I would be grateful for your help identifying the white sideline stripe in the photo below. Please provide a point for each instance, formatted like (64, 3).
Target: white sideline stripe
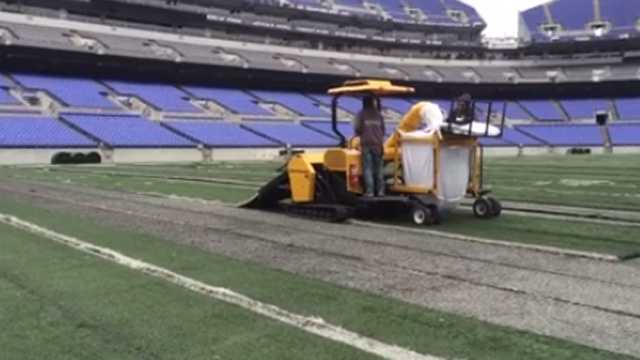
(539, 248)
(312, 325)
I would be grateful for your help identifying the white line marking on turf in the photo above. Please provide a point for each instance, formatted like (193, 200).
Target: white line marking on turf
(539, 248)
(312, 325)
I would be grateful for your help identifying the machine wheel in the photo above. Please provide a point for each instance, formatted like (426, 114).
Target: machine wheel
(496, 206)
(482, 208)
(424, 215)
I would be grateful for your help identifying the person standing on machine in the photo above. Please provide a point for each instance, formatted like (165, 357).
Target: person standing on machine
(369, 126)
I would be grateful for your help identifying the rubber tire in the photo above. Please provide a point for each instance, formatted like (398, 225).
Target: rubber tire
(482, 208)
(93, 158)
(78, 158)
(423, 215)
(496, 206)
(61, 158)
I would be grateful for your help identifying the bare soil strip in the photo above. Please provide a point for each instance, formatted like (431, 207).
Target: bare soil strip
(312, 325)
(540, 248)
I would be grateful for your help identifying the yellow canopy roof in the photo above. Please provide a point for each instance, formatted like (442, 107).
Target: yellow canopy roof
(376, 87)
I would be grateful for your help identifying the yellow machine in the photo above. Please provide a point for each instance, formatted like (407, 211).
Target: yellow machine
(328, 183)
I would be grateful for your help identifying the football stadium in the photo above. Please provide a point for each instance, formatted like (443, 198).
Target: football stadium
(318, 179)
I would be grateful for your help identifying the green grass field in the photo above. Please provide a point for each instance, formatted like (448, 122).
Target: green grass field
(58, 303)
(596, 181)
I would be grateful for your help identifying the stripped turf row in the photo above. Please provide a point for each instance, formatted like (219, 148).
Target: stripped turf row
(206, 191)
(58, 303)
(622, 241)
(388, 320)
(608, 239)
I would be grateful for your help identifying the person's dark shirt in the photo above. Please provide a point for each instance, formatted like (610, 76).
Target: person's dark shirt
(369, 125)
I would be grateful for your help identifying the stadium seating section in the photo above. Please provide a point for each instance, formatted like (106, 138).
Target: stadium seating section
(220, 134)
(127, 131)
(73, 92)
(287, 133)
(435, 11)
(575, 18)
(234, 100)
(161, 96)
(43, 132)
(6, 98)
(625, 134)
(83, 123)
(565, 135)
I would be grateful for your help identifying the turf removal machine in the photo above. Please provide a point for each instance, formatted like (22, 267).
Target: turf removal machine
(432, 162)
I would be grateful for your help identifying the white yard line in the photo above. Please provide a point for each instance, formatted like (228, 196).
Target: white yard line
(539, 248)
(311, 325)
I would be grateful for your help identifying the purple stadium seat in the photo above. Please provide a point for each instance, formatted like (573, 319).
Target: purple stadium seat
(628, 109)
(572, 14)
(585, 108)
(128, 131)
(575, 15)
(7, 99)
(294, 101)
(161, 96)
(233, 99)
(40, 132)
(515, 112)
(543, 109)
(618, 13)
(495, 142)
(461, 6)
(518, 138)
(393, 6)
(625, 134)
(4, 81)
(401, 106)
(325, 127)
(565, 135)
(73, 92)
(346, 128)
(352, 3)
(347, 103)
(220, 134)
(289, 133)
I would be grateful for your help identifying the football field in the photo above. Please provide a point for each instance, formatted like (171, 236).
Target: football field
(468, 301)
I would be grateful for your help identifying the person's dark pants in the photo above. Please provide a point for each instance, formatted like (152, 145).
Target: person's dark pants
(373, 171)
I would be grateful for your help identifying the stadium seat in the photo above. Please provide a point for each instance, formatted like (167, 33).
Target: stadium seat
(625, 134)
(234, 100)
(401, 106)
(628, 109)
(585, 108)
(73, 92)
(349, 104)
(128, 131)
(40, 132)
(565, 135)
(575, 16)
(572, 14)
(542, 109)
(294, 101)
(7, 99)
(220, 134)
(292, 134)
(161, 96)
(346, 128)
